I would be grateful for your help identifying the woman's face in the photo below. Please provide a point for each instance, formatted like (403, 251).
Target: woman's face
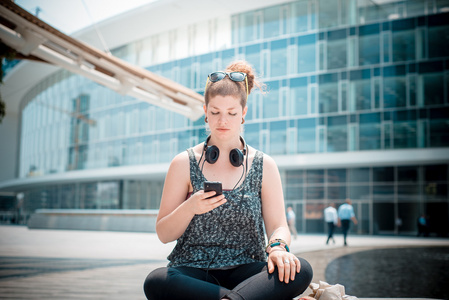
(224, 115)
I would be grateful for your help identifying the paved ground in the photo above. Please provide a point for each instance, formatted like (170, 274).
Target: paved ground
(61, 264)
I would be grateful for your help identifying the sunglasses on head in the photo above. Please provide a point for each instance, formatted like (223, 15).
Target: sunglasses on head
(234, 76)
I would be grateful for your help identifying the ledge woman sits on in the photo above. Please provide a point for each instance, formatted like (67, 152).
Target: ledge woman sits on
(221, 251)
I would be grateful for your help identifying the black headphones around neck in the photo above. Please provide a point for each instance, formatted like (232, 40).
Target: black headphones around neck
(236, 156)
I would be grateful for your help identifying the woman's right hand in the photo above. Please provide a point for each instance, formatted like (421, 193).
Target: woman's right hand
(200, 203)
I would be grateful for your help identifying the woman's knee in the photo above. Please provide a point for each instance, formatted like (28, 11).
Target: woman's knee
(154, 281)
(306, 271)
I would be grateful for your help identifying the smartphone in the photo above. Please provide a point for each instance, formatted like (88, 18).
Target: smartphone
(213, 186)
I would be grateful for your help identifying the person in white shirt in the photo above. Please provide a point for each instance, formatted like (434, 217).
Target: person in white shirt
(331, 218)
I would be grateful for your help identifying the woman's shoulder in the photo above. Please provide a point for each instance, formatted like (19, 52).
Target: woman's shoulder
(183, 158)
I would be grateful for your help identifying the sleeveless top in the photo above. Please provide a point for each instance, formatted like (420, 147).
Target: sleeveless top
(229, 235)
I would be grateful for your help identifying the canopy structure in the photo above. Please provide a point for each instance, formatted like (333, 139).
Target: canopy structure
(34, 39)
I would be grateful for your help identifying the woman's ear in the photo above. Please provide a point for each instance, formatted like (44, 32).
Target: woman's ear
(245, 110)
(205, 109)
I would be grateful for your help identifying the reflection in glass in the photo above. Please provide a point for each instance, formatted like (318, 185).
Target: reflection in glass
(403, 45)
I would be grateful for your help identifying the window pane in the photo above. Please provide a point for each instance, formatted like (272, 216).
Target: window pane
(306, 136)
(328, 97)
(405, 134)
(279, 58)
(306, 54)
(369, 49)
(271, 18)
(295, 177)
(300, 15)
(360, 192)
(433, 86)
(408, 174)
(298, 96)
(359, 175)
(278, 137)
(315, 176)
(336, 54)
(370, 131)
(408, 192)
(336, 192)
(337, 134)
(438, 39)
(403, 45)
(336, 176)
(271, 101)
(435, 173)
(314, 192)
(395, 94)
(383, 193)
(383, 174)
(328, 13)
(360, 95)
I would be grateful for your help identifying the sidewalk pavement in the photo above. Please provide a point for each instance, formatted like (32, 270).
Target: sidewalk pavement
(62, 264)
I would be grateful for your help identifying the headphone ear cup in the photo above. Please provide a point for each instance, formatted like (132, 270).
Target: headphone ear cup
(236, 157)
(212, 154)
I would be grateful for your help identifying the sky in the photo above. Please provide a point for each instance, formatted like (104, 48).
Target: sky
(70, 16)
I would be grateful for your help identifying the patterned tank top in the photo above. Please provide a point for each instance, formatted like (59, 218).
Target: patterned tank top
(229, 235)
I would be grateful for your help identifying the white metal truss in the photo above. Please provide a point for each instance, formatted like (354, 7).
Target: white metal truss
(32, 37)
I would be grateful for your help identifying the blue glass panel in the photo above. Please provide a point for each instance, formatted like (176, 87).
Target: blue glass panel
(271, 100)
(271, 24)
(306, 54)
(369, 29)
(278, 137)
(336, 176)
(315, 176)
(439, 127)
(438, 41)
(404, 45)
(383, 174)
(369, 49)
(395, 94)
(336, 54)
(336, 35)
(252, 55)
(369, 118)
(430, 67)
(328, 97)
(359, 175)
(405, 24)
(337, 134)
(298, 97)
(438, 20)
(306, 135)
(279, 58)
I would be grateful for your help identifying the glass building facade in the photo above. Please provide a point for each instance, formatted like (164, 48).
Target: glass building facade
(343, 76)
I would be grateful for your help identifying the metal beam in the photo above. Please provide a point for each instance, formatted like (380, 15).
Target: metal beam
(29, 35)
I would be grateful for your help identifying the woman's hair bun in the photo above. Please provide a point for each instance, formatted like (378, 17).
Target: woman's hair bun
(245, 67)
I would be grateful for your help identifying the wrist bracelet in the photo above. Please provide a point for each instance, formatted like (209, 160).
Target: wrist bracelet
(277, 242)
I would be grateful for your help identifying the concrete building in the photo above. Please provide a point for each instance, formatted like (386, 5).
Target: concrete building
(357, 107)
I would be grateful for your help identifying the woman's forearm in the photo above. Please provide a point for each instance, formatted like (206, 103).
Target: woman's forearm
(173, 225)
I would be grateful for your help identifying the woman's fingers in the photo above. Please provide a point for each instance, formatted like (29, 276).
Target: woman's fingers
(288, 265)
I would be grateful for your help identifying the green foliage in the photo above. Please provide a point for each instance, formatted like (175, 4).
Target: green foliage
(6, 54)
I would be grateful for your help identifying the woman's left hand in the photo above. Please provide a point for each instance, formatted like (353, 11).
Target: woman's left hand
(288, 264)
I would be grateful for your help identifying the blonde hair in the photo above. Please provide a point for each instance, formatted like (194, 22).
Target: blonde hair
(227, 87)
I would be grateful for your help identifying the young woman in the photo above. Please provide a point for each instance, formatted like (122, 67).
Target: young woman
(221, 250)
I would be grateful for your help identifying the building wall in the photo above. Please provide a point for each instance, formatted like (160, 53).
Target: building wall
(342, 76)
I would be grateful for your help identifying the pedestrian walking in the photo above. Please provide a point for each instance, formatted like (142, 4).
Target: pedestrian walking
(331, 218)
(345, 215)
(291, 220)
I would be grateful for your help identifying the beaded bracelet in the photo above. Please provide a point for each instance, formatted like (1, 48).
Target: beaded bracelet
(277, 242)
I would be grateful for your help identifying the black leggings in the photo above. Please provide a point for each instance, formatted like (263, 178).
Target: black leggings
(246, 282)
